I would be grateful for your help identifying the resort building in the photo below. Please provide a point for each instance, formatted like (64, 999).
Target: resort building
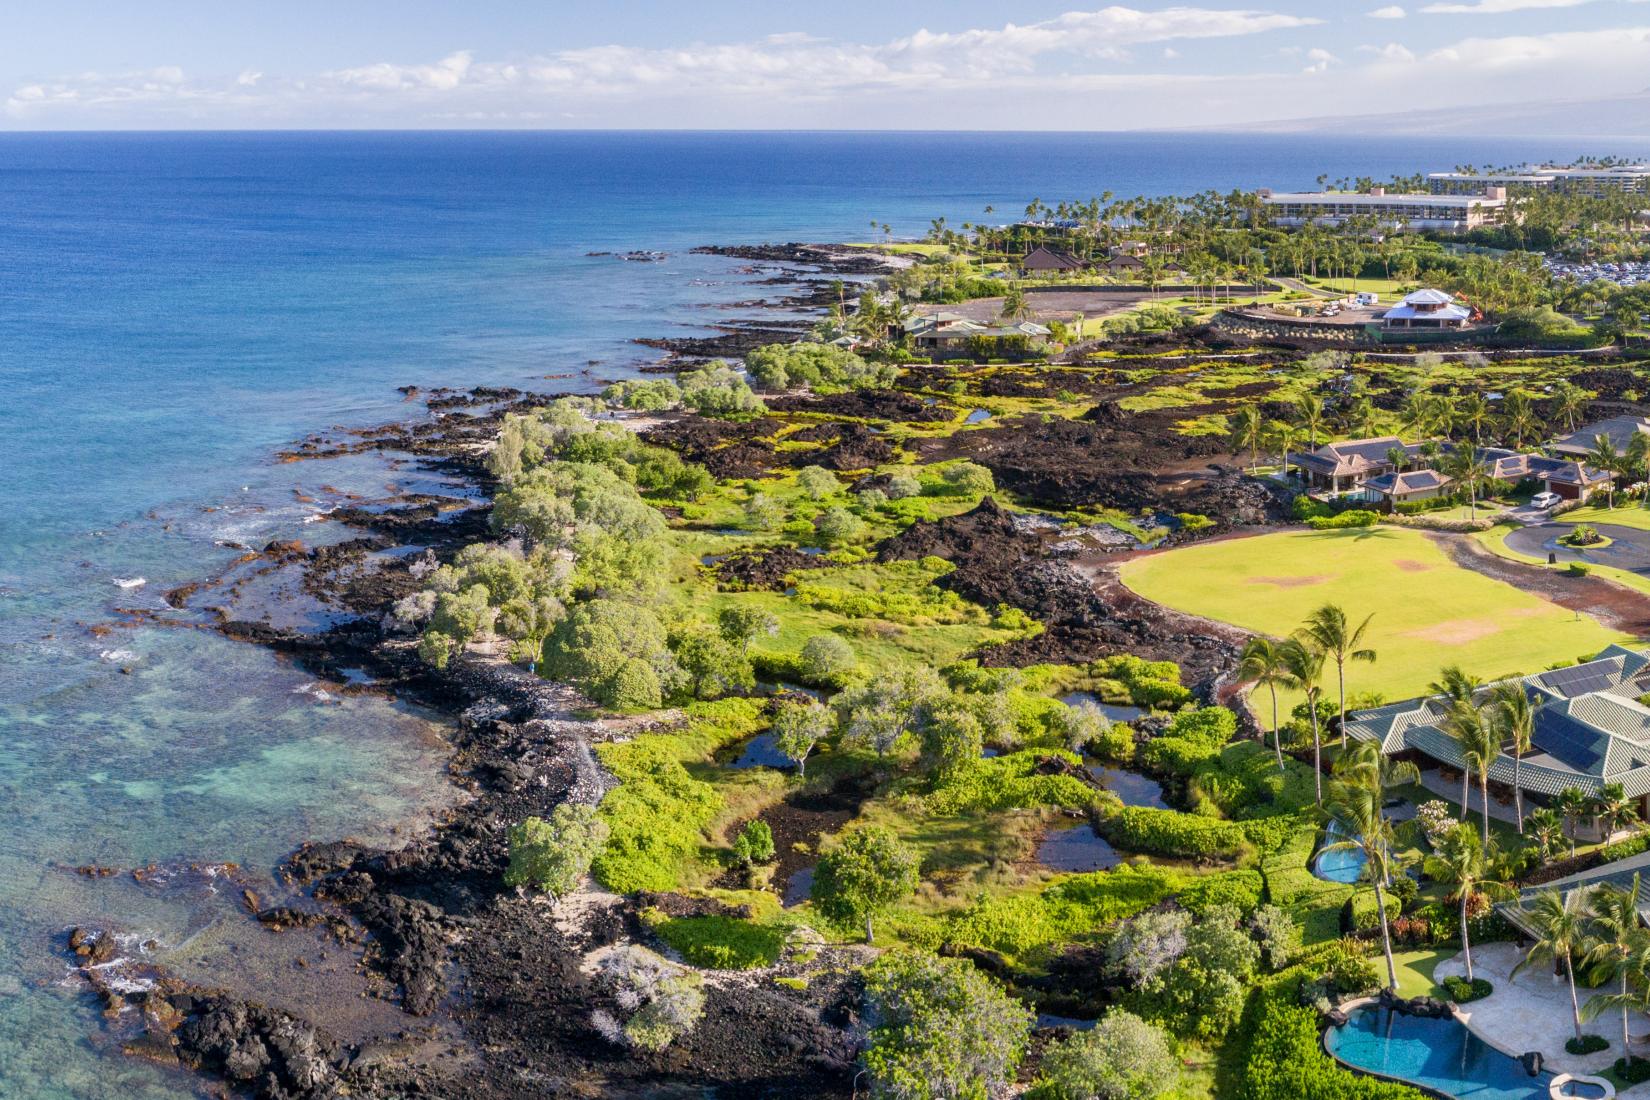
(1619, 430)
(1449, 213)
(1044, 259)
(1348, 466)
(953, 332)
(1427, 309)
(1567, 477)
(1632, 179)
(1590, 730)
(1365, 468)
(1408, 487)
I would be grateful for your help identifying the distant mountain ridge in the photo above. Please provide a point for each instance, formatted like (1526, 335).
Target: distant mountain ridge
(1626, 116)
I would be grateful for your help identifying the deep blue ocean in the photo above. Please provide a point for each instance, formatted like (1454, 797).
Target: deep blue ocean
(174, 308)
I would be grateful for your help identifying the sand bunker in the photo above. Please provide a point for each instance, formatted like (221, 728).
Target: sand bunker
(1291, 582)
(1410, 565)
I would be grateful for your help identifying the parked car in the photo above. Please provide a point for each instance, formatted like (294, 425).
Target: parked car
(1546, 501)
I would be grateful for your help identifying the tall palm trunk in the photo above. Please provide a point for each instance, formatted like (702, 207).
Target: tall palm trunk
(1518, 792)
(1386, 938)
(1317, 755)
(1484, 791)
(1277, 730)
(1626, 1037)
(1575, 1003)
(1466, 945)
(1340, 681)
(1466, 791)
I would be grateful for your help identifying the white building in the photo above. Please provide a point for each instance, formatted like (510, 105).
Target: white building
(1427, 309)
(1449, 213)
(1632, 179)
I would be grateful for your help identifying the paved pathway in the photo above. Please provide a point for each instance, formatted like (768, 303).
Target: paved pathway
(1532, 1012)
(1450, 789)
(1629, 548)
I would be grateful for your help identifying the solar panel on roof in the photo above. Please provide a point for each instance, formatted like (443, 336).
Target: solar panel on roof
(1573, 742)
(1582, 679)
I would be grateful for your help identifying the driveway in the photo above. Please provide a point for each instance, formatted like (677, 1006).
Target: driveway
(1629, 548)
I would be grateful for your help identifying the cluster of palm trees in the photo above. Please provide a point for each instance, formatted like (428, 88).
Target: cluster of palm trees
(1482, 722)
(1594, 929)
(1299, 663)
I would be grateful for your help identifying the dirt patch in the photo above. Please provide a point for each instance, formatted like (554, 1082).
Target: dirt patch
(1085, 610)
(1114, 459)
(725, 448)
(1291, 582)
(769, 569)
(1616, 607)
(866, 405)
(1463, 631)
(1410, 565)
(800, 820)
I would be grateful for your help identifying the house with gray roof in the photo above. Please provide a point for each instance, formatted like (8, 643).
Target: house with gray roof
(1590, 729)
(1406, 487)
(1619, 430)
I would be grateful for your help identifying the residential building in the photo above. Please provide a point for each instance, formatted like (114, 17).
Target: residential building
(1449, 213)
(1567, 477)
(1406, 487)
(944, 331)
(1044, 259)
(1619, 430)
(1427, 309)
(1348, 466)
(1590, 730)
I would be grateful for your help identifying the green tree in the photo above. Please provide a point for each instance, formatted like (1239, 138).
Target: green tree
(1620, 947)
(754, 844)
(554, 856)
(798, 727)
(940, 1029)
(1462, 861)
(1304, 663)
(1263, 664)
(1357, 811)
(1560, 922)
(1455, 685)
(969, 479)
(742, 625)
(866, 872)
(817, 482)
(1330, 632)
(825, 659)
(836, 527)
(1546, 830)
(1605, 458)
(1614, 810)
(1245, 430)
(1514, 722)
(1573, 804)
(763, 513)
(1309, 415)
(1121, 1058)
(880, 711)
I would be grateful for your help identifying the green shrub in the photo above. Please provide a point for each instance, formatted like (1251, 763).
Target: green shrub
(1586, 1044)
(1173, 834)
(722, 943)
(1578, 569)
(1356, 517)
(1241, 889)
(1283, 1059)
(1462, 991)
(1632, 1070)
(1019, 923)
(1007, 782)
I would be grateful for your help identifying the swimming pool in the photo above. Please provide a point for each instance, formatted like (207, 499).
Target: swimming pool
(1437, 1054)
(1346, 865)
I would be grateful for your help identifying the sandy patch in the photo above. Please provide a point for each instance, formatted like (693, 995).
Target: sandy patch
(1291, 582)
(1464, 631)
(1410, 565)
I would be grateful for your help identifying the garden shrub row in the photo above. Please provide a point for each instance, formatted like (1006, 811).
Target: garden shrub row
(1283, 1059)
(1172, 834)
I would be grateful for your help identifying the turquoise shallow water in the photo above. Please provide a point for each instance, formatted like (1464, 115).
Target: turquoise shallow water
(1437, 1054)
(173, 308)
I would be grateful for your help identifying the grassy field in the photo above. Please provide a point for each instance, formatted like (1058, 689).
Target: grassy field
(1626, 513)
(1428, 612)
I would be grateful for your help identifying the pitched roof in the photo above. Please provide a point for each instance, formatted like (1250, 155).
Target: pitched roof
(1410, 481)
(1427, 297)
(1048, 257)
(1350, 456)
(1619, 430)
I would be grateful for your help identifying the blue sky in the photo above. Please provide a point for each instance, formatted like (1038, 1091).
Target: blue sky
(72, 64)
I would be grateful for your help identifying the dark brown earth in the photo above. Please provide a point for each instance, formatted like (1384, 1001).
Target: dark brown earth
(1611, 604)
(1085, 615)
(866, 404)
(744, 570)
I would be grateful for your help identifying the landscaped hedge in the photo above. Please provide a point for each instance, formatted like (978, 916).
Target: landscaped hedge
(1282, 1057)
(1173, 834)
(1357, 517)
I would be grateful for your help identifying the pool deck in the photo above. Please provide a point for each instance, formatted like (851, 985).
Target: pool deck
(1532, 1012)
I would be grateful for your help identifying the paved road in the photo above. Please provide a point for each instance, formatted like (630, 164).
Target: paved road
(1630, 549)
(1296, 284)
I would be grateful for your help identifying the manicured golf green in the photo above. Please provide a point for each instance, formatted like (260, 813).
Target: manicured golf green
(1428, 612)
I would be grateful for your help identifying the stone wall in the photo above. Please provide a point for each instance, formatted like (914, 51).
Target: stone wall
(1257, 328)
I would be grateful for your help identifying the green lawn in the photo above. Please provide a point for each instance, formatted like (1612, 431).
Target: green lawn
(1415, 969)
(1626, 513)
(1428, 612)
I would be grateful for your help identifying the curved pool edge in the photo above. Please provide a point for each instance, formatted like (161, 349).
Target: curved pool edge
(1562, 1079)
(1465, 1020)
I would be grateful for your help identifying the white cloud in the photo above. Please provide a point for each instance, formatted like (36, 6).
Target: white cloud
(1499, 7)
(1391, 12)
(1319, 61)
(1391, 52)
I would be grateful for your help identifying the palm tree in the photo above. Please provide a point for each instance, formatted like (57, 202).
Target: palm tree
(1560, 920)
(1614, 809)
(1464, 722)
(1469, 471)
(1479, 748)
(1246, 428)
(1514, 722)
(1454, 684)
(1263, 664)
(1304, 663)
(1357, 810)
(1619, 946)
(1635, 463)
(1569, 401)
(1464, 862)
(1547, 830)
(1520, 421)
(1329, 630)
(1574, 804)
(1473, 412)
(1605, 457)
(1365, 765)
(1309, 411)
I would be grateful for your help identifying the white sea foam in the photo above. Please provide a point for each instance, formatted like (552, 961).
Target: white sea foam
(130, 582)
(118, 655)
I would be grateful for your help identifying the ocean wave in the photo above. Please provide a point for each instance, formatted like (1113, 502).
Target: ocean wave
(118, 655)
(130, 582)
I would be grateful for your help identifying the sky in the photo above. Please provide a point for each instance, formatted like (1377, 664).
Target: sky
(764, 64)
